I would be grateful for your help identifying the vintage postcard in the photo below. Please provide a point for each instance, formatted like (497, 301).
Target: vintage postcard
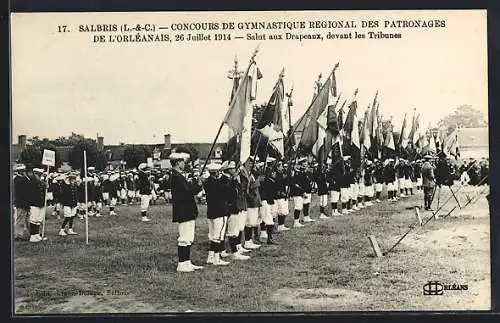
(286, 161)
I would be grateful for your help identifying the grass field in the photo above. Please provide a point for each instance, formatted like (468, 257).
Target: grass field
(129, 266)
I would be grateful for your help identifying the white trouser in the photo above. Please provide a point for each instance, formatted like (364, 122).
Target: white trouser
(268, 211)
(131, 193)
(243, 215)
(112, 202)
(298, 203)
(323, 200)
(37, 214)
(396, 185)
(419, 181)
(233, 223)
(69, 211)
(361, 189)
(390, 187)
(145, 202)
(186, 233)
(344, 194)
(307, 198)
(369, 191)
(217, 229)
(378, 187)
(353, 191)
(123, 194)
(252, 217)
(334, 196)
(282, 206)
(105, 196)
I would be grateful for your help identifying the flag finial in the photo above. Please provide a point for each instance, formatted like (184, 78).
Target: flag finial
(356, 92)
(336, 66)
(252, 59)
(282, 74)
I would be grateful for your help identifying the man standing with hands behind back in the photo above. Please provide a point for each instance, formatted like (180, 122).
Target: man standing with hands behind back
(184, 210)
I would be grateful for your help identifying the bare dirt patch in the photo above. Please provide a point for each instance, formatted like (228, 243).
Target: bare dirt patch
(318, 299)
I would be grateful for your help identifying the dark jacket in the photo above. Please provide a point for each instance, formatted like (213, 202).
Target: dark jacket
(69, 196)
(428, 179)
(334, 177)
(232, 187)
(81, 192)
(368, 178)
(144, 185)
(298, 184)
(36, 192)
(253, 195)
(321, 181)
(379, 173)
(217, 194)
(21, 192)
(184, 206)
(241, 202)
(389, 173)
(269, 187)
(281, 185)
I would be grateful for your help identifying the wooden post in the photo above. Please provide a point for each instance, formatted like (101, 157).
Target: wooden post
(375, 246)
(45, 203)
(86, 198)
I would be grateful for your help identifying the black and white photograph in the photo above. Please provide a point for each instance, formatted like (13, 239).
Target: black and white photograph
(250, 161)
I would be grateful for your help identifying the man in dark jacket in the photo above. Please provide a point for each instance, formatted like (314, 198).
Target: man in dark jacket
(21, 203)
(184, 210)
(69, 202)
(428, 181)
(368, 175)
(144, 188)
(217, 213)
(281, 195)
(297, 191)
(389, 179)
(334, 178)
(253, 204)
(232, 186)
(345, 185)
(379, 179)
(321, 182)
(37, 190)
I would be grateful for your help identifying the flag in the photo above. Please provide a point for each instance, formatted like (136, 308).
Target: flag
(239, 115)
(271, 121)
(318, 149)
(310, 134)
(432, 144)
(373, 118)
(341, 116)
(451, 143)
(412, 129)
(403, 136)
(389, 139)
(380, 138)
(367, 143)
(349, 121)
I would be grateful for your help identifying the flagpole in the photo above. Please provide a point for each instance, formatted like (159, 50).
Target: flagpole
(45, 203)
(252, 60)
(312, 103)
(86, 198)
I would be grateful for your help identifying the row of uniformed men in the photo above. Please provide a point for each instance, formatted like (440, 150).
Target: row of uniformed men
(240, 201)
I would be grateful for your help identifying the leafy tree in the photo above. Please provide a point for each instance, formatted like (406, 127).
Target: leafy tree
(134, 155)
(95, 157)
(190, 149)
(463, 116)
(32, 154)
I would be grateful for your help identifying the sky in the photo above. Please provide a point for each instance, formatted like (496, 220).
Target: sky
(137, 92)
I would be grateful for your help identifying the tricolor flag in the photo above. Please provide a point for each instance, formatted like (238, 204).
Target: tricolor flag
(239, 115)
(271, 122)
(403, 136)
(310, 134)
(389, 139)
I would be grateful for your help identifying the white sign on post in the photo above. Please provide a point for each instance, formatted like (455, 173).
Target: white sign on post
(49, 158)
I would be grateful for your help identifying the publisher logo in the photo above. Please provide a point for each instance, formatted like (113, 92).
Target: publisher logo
(434, 287)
